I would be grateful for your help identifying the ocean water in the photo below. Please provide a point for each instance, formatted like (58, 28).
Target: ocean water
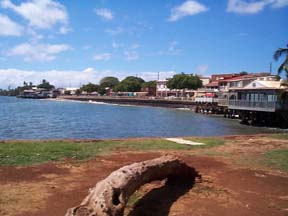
(50, 119)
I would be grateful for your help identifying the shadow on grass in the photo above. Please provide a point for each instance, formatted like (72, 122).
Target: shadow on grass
(158, 201)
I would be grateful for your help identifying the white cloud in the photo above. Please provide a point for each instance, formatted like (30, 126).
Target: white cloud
(102, 57)
(163, 75)
(202, 69)
(86, 47)
(41, 14)
(173, 49)
(34, 34)
(64, 29)
(131, 55)
(253, 7)
(279, 3)
(242, 7)
(135, 46)
(15, 77)
(188, 8)
(115, 31)
(105, 13)
(116, 45)
(38, 52)
(9, 27)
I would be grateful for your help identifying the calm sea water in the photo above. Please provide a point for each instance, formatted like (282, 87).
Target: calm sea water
(47, 119)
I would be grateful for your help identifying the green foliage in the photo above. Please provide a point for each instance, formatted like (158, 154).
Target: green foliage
(78, 92)
(67, 92)
(26, 153)
(184, 81)
(109, 82)
(278, 159)
(102, 90)
(129, 84)
(284, 66)
(90, 87)
(243, 73)
(150, 84)
(134, 198)
(46, 85)
(280, 136)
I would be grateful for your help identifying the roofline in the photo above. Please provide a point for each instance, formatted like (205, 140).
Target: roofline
(260, 88)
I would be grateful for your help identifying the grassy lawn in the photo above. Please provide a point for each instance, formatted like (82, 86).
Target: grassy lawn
(279, 136)
(35, 152)
(277, 158)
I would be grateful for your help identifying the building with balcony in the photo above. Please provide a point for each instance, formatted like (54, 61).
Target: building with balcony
(265, 94)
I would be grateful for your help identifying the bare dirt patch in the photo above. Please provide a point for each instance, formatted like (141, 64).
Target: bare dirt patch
(226, 189)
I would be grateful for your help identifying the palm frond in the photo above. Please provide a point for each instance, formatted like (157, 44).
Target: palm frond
(284, 83)
(283, 66)
(280, 52)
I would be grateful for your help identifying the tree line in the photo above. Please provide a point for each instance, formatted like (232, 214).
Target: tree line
(135, 84)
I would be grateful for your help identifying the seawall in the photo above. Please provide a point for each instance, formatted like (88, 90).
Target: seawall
(135, 101)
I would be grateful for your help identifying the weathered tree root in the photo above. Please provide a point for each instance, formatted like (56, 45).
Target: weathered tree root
(109, 197)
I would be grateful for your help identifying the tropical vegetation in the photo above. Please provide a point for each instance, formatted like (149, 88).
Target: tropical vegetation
(284, 65)
(184, 81)
(129, 84)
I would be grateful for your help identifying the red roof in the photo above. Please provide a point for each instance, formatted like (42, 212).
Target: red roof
(212, 84)
(247, 76)
(239, 77)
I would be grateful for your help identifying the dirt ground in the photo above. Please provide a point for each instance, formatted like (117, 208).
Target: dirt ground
(234, 182)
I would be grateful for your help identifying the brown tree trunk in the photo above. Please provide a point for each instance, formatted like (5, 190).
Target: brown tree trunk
(109, 197)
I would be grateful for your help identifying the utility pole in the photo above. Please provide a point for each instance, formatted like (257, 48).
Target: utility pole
(270, 68)
(158, 77)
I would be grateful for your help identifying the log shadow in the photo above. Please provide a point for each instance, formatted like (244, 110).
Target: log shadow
(158, 201)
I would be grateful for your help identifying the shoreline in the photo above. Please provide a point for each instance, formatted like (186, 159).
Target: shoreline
(138, 138)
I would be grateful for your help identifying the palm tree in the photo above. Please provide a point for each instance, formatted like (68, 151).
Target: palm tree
(284, 66)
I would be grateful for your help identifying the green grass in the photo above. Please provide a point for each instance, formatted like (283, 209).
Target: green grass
(279, 136)
(134, 198)
(208, 141)
(277, 158)
(35, 152)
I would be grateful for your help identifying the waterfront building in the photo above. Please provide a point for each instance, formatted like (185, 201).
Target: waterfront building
(163, 91)
(36, 93)
(263, 94)
(264, 101)
(68, 90)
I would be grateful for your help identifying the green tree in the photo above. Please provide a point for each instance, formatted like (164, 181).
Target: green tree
(46, 85)
(150, 84)
(102, 91)
(243, 73)
(184, 81)
(90, 87)
(67, 92)
(129, 84)
(284, 66)
(109, 82)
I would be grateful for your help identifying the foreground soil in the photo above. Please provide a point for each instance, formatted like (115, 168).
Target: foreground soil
(235, 182)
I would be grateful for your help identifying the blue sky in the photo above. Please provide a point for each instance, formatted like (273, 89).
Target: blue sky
(70, 43)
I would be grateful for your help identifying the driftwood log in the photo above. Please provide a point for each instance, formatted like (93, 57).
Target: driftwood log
(109, 197)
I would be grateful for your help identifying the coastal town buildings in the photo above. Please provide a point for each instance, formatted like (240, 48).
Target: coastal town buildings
(163, 91)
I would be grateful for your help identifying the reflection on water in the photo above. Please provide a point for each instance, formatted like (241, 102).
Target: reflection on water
(46, 119)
